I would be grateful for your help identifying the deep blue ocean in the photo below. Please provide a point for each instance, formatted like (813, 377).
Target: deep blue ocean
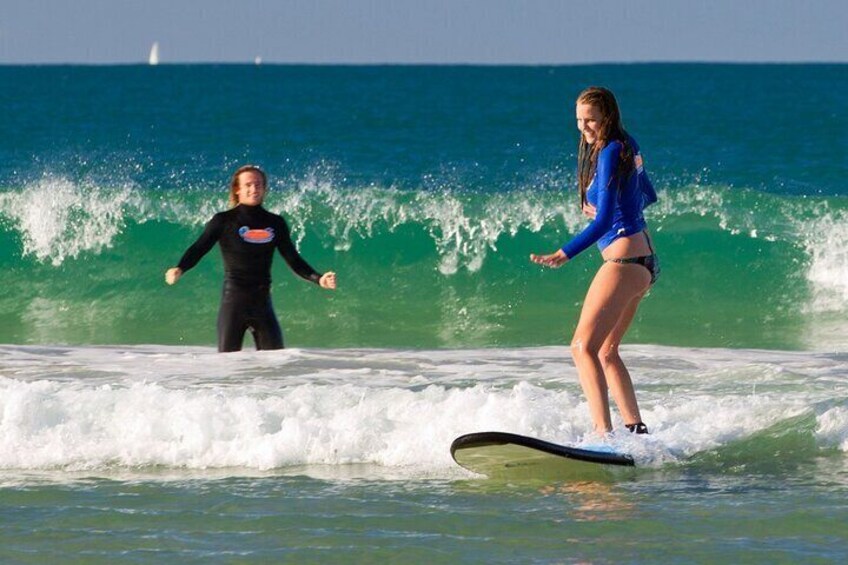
(124, 436)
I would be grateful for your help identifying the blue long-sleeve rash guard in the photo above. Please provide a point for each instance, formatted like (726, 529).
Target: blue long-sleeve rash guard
(618, 208)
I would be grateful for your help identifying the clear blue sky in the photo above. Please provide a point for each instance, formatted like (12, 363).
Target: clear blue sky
(423, 31)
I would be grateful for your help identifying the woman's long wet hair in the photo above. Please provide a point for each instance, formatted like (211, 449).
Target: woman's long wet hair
(610, 129)
(234, 182)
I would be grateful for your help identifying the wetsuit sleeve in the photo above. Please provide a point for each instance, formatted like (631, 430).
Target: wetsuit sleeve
(295, 262)
(210, 236)
(605, 209)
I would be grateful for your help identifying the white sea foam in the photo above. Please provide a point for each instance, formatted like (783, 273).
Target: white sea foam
(74, 409)
(59, 219)
(832, 427)
(826, 241)
(462, 229)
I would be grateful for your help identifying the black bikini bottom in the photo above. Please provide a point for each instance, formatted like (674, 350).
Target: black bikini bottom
(650, 262)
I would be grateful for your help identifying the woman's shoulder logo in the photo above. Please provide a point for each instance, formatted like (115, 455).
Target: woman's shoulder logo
(256, 235)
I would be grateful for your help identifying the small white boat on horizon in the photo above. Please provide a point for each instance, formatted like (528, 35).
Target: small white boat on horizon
(153, 59)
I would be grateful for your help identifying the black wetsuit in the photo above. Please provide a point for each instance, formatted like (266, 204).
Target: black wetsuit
(248, 236)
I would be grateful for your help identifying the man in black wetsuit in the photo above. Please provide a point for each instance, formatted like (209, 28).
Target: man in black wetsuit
(248, 235)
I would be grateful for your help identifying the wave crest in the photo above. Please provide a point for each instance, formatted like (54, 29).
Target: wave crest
(58, 219)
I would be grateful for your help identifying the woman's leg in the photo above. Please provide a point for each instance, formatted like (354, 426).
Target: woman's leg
(616, 374)
(611, 292)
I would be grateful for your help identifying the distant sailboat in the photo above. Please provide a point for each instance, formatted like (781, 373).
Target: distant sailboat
(154, 54)
(257, 60)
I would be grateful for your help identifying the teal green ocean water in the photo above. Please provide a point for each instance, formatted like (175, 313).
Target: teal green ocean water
(124, 437)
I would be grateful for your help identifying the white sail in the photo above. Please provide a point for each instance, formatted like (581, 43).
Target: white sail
(154, 54)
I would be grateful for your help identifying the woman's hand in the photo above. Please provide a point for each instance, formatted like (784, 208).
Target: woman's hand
(589, 211)
(328, 280)
(173, 275)
(552, 260)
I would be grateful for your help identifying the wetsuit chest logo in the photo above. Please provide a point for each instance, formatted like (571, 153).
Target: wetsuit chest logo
(261, 235)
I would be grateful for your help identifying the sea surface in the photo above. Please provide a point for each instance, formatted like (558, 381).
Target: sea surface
(124, 436)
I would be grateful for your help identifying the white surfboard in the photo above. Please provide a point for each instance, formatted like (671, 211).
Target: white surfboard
(505, 455)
